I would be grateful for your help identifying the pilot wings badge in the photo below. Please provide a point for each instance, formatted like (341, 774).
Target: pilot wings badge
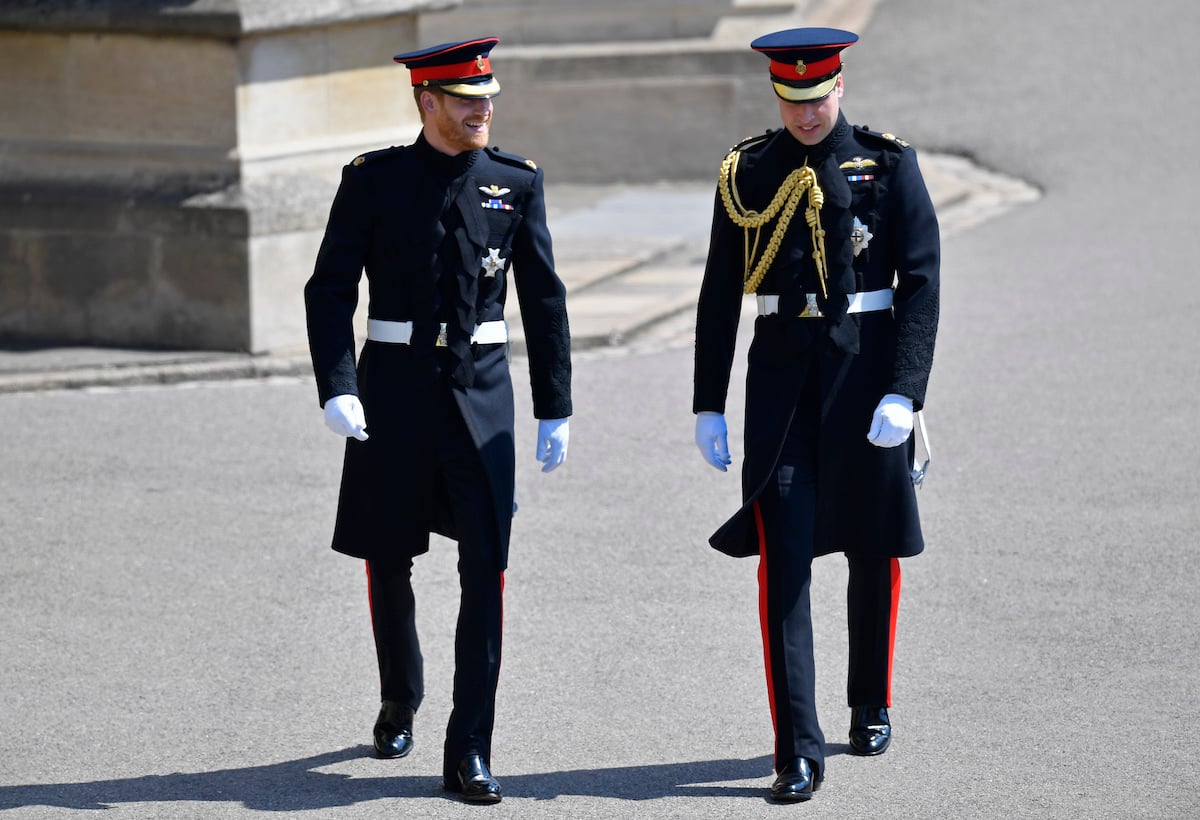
(495, 192)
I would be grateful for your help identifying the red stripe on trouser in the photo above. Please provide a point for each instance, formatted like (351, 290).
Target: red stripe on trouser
(895, 609)
(762, 609)
(370, 597)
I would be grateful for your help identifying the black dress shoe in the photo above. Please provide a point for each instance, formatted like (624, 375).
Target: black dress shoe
(870, 730)
(474, 781)
(393, 730)
(795, 782)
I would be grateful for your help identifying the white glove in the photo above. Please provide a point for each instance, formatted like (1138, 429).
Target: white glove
(344, 416)
(712, 437)
(893, 421)
(552, 438)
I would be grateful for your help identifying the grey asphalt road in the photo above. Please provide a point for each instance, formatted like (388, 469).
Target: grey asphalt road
(178, 641)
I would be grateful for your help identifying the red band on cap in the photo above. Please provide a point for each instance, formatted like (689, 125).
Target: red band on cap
(479, 67)
(806, 71)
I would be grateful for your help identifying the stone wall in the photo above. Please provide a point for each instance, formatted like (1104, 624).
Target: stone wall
(523, 22)
(166, 166)
(164, 175)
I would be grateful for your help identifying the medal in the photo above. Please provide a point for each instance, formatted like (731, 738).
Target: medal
(860, 236)
(493, 263)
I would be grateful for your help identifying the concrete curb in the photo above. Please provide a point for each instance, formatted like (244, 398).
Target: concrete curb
(630, 257)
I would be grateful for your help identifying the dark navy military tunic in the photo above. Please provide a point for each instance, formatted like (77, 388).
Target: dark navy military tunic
(866, 502)
(421, 225)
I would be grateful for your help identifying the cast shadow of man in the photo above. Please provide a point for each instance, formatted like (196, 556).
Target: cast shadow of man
(297, 785)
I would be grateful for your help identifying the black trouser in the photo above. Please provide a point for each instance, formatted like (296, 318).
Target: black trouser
(872, 598)
(477, 641)
(785, 514)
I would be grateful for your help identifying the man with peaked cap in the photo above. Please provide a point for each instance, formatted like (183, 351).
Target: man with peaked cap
(438, 226)
(831, 227)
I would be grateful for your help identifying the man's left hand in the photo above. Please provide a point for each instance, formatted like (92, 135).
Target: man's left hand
(893, 421)
(552, 438)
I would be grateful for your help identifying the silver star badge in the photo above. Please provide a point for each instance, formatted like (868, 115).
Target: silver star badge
(493, 263)
(860, 236)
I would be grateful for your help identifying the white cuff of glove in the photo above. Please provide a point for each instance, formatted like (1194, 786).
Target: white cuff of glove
(552, 438)
(344, 415)
(712, 437)
(892, 423)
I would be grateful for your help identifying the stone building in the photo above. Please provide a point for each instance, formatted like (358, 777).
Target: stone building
(166, 166)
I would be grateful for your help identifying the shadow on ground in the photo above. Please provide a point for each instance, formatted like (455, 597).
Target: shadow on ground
(296, 785)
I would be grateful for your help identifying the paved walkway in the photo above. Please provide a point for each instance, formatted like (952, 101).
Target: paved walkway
(631, 257)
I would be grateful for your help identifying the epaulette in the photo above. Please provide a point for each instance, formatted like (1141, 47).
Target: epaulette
(750, 142)
(373, 156)
(511, 159)
(888, 140)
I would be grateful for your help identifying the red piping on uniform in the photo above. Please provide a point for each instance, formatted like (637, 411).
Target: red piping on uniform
(501, 661)
(762, 614)
(490, 42)
(895, 589)
(370, 602)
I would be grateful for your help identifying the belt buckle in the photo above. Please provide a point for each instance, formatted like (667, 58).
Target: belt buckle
(811, 309)
(441, 337)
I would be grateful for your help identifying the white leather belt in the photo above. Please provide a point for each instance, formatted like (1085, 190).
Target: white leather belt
(400, 333)
(864, 302)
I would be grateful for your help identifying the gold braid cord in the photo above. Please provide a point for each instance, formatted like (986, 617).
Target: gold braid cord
(784, 205)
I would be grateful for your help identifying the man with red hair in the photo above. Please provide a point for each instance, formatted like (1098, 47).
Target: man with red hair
(438, 226)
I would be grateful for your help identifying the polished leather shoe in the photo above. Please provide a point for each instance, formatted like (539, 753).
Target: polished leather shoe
(474, 781)
(795, 782)
(870, 730)
(393, 730)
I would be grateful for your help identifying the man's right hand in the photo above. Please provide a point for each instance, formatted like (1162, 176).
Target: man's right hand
(344, 416)
(712, 438)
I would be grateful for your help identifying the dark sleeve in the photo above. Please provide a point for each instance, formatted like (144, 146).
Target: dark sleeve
(717, 313)
(331, 295)
(916, 249)
(543, 303)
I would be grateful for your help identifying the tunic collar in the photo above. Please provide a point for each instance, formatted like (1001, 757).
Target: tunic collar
(441, 164)
(816, 154)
